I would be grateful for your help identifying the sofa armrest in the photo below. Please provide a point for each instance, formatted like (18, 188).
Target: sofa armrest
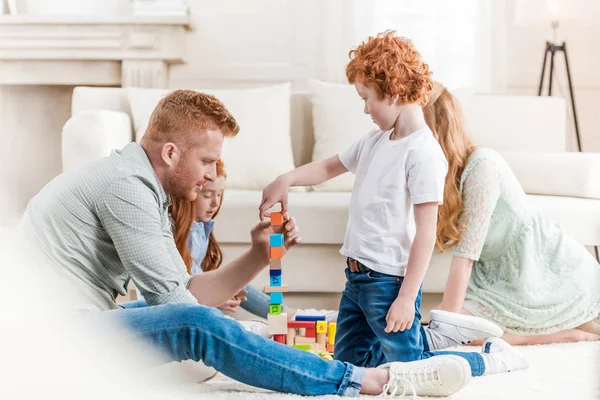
(93, 134)
(557, 174)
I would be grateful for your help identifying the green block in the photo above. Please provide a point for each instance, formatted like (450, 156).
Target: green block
(275, 309)
(302, 347)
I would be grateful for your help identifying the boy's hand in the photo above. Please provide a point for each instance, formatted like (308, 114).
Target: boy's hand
(400, 315)
(275, 192)
(261, 232)
(230, 305)
(241, 296)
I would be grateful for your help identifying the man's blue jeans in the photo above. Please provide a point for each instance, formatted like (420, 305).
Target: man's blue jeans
(361, 339)
(196, 332)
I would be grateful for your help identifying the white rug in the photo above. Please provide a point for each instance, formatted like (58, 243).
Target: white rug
(559, 371)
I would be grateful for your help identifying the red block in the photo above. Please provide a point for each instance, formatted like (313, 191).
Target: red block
(279, 338)
(311, 332)
(302, 324)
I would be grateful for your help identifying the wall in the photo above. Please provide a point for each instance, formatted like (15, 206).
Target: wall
(247, 43)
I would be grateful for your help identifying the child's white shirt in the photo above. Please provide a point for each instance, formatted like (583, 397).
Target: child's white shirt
(391, 177)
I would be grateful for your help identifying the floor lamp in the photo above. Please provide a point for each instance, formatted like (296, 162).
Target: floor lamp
(553, 11)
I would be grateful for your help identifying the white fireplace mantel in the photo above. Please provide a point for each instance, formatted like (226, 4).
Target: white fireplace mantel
(111, 51)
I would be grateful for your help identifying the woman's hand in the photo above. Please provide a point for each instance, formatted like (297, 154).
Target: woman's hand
(275, 192)
(400, 315)
(260, 237)
(230, 305)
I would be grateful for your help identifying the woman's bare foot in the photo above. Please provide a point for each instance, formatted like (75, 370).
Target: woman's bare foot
(568, 336)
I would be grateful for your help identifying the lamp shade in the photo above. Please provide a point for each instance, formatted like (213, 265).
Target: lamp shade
(529, 12)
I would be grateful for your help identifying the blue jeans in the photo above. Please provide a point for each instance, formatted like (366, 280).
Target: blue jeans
(195, 332)
(361, 339)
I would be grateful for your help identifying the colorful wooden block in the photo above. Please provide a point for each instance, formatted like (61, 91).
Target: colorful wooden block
(275, 309)
(276, 240)
(275, 280)
(310, 318)
(311, 332)
(276, 298)
(331, 333)
(302, 331)
(279, 338)
(301, 324)
(322, 339)
(276, 289)
(291, 335)
(320, 347)
(275, 264)
(276, 218)
(322, 327)
(276, 252)
(274, 272)
(304, 340)
(277, 324)
(330, 348)
(305, 347)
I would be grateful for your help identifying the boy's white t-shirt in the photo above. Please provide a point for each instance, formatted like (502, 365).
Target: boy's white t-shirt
(391, 177)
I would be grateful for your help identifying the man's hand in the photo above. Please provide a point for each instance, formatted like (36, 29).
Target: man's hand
(275, 192)
(261, 232)
(400, 315)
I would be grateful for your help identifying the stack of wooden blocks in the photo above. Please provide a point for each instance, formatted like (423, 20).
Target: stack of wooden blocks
(276, 319)
(306, 332)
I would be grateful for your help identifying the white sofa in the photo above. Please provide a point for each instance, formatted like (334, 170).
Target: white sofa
(529, 131)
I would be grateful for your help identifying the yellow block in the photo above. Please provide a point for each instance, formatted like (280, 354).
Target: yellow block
(331, 333)
(321, 326)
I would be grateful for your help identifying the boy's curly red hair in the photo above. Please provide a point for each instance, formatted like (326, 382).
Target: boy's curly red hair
(391, 65)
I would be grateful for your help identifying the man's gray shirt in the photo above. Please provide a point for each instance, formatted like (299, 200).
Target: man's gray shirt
(106, 222)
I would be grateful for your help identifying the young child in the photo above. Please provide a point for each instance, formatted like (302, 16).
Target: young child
(400, 171)
(195, 239)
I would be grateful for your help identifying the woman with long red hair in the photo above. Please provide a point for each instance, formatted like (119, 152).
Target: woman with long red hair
(512, 265)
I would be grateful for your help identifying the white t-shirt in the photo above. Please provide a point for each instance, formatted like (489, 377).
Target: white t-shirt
(391, 177)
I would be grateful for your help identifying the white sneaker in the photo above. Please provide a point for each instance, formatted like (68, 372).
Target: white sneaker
(447, 329)
(500, 357)
(257, 326)
(436, 376)
(330, 315)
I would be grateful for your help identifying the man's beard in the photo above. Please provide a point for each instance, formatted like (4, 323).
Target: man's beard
(181, 183)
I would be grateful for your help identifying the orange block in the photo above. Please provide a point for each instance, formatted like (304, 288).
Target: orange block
(330, 348)
(276, 252)
(276, 218)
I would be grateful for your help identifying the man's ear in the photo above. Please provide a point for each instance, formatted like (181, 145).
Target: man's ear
(170, 154)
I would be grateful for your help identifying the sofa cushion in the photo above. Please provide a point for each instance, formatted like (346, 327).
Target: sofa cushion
(264, 118)
(93, 134)
(322, 216)
(557, 174)
(338, 121)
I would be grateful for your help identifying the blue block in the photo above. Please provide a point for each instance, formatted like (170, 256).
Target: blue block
(276, 240)
(274, 272)
(276, 298)
(275, 280)
(309, 318)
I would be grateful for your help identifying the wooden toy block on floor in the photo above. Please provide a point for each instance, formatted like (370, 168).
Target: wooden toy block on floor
(275, 264)
(321, 326)
(276, 289)
(305, 347)
(275, 298)
(291, 335)
(303, 340)
(330, 348)
(276, 218)
(276, 240)
(322, 339)
(279, 338)
(276, 252)
(275, 309)
(331, 333)
(277, 324)
(312, 318)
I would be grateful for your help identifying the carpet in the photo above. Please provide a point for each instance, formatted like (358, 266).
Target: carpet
(558, 371)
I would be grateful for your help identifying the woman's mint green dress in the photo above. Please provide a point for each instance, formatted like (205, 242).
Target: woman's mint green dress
(529, 276)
